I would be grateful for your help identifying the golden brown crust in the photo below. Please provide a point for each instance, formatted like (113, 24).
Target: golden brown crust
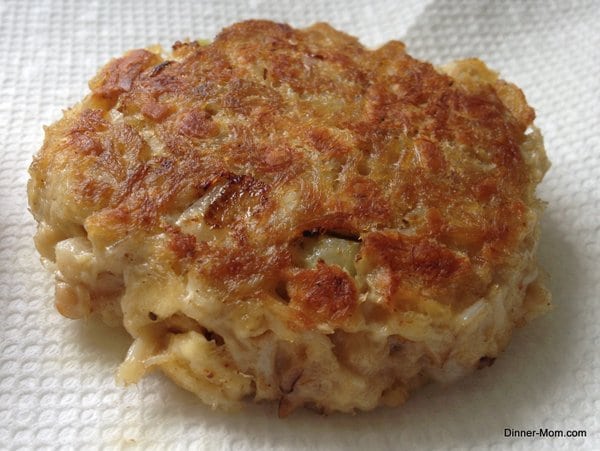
(323, 294)
(118, 76)
(424, 168)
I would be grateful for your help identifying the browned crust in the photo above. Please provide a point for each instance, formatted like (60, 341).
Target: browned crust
(322, 294)
(371, 142)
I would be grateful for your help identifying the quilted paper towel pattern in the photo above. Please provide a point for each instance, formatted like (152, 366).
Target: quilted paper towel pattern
(56, 376)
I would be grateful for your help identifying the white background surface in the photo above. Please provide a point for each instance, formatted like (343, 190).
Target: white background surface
(56, 376)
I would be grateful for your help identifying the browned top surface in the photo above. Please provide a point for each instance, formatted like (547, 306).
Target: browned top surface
(424, 169)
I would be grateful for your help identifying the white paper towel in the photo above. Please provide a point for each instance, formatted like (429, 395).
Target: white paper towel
(57, 384)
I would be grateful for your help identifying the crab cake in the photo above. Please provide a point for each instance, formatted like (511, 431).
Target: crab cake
(286, 215)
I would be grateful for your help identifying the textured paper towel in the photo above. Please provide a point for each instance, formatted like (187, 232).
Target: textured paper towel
(56, 376)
